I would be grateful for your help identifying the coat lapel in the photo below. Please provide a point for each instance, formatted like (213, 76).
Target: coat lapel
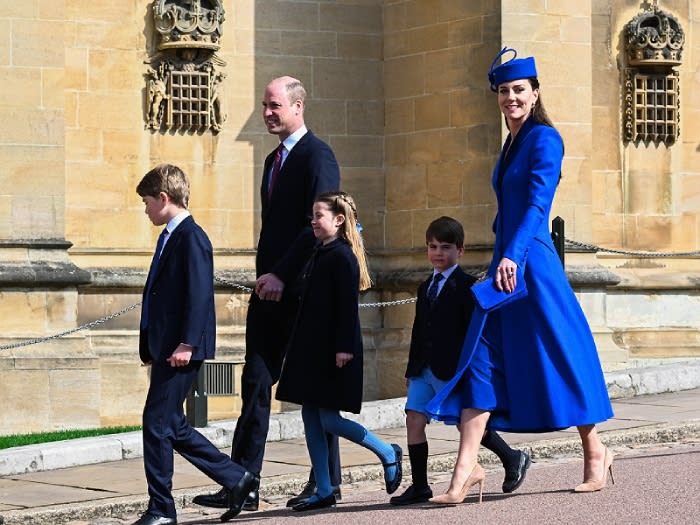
(447, 289)
(284, 170)
(173, 240)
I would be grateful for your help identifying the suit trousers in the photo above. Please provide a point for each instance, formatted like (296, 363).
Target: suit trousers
(268, 327)
(165, 428)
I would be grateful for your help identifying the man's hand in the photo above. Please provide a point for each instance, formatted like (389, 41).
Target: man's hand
(181, 356)
(342, 359)
(269, 287)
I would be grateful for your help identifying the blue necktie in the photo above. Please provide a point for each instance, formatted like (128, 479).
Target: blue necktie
(433, 289)
(151, 276)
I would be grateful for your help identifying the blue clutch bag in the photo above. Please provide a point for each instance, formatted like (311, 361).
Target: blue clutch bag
(488, 298)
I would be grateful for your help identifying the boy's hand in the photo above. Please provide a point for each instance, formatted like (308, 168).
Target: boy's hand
(269, 287)
(342, 358)
(181, 356)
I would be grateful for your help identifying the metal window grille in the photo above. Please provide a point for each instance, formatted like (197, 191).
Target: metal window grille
(655, 108)
(189, 100)
(220, 379)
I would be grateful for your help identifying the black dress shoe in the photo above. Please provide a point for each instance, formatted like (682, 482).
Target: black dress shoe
(219, 500)
(252, 502)
(238, 494)
(315, 502)
(515, 473)
(412, 495)
(395, 482)
(152, 519)
(308, 491)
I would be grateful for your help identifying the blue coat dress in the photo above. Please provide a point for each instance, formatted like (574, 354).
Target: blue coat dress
(537, 367)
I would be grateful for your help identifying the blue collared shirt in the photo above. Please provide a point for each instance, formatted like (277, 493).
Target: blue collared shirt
(172, 224)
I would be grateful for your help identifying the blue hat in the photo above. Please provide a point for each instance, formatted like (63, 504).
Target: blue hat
(513, 69)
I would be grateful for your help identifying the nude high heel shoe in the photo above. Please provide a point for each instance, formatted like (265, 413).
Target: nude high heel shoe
(598, 484)
(477, 476)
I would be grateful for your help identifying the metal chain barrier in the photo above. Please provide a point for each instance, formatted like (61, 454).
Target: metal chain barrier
(247, 289)
(596, 248)
(71, 331)
(109, 317)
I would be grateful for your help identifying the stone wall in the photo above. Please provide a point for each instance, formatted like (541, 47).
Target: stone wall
(399, 90)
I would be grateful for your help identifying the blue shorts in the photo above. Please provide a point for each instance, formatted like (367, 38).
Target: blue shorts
(422, 389)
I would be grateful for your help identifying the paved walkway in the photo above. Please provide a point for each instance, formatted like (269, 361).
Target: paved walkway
(117, 489)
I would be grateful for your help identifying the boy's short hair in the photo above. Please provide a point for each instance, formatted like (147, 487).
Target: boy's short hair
(445, 229)
(169, 179)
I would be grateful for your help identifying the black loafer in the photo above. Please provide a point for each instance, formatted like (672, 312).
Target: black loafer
(395, 483)
(412, 495)
(315, 502)
(238, 494)
(515, 473)
(252, 502)
(152, 519)
(219, 500)
(308, 491)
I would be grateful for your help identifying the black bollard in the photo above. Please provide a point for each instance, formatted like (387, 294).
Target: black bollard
(196, 403)
(558, 237)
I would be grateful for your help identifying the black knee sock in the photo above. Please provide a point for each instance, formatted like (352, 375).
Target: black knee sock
(495, 444)
(418, 454)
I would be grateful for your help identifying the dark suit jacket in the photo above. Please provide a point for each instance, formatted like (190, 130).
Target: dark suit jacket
(439, 331)
(286, 238)
(287, 241)
(181, 300)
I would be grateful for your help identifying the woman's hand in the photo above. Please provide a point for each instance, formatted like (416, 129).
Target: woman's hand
(342, 359)
(505, 278)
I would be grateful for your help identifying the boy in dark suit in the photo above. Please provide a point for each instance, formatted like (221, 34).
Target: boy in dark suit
(443, 312)
(178, 328)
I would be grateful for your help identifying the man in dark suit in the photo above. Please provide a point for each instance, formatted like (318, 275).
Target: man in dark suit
(177, 333)
(299, 169)
(443, 312)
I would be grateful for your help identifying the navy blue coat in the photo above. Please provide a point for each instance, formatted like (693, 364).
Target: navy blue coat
(439, 330)
(181, 301)
(328, 323)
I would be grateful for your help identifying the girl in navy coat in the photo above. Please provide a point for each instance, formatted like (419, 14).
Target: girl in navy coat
(323, 369)
(543, 368)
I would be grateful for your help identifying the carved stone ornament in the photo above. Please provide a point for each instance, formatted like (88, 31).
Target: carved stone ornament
(183, 82)
(654, 38)
(653, 45)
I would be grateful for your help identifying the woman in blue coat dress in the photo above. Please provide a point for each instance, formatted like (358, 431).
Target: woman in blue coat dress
(536, 368)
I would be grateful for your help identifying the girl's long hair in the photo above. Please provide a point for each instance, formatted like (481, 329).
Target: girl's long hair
(341, 203)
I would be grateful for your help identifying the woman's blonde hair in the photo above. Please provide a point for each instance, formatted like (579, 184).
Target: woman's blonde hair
(341, 203)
